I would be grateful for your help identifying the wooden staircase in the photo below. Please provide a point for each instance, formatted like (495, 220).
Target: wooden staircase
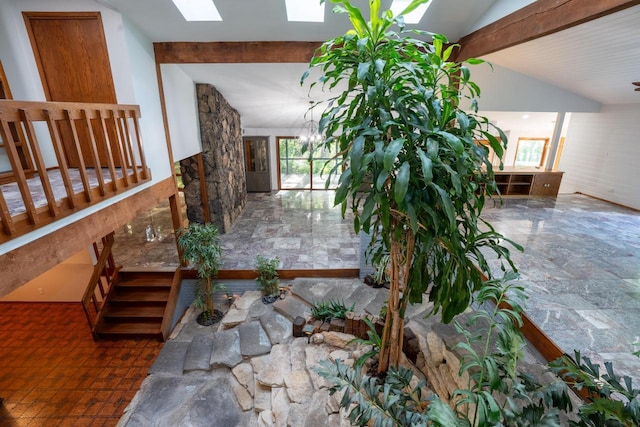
(140, 304)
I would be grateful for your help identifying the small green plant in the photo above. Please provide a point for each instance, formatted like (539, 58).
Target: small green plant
(268, 278)
(200, 245)
(326, 310)
(374, 340)
(612, 401)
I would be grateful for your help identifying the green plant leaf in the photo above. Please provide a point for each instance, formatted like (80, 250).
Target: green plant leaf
(402, 182)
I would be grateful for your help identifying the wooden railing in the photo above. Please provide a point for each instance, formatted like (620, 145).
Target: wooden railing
(171, 303)
(102, 278)
(93, 152)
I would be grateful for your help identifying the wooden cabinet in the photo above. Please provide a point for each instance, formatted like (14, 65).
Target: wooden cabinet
(528, 182)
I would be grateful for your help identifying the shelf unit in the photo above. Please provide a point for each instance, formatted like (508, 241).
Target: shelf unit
(528, 182)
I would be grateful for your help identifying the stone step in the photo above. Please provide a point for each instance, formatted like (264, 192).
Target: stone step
(198, 356)
(292, 306)
(278, 328)
(254, 341)
(171, 358)
(226, 349)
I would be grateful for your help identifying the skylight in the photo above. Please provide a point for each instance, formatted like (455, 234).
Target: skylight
(305, 11)
(413, 17)
(198, 10)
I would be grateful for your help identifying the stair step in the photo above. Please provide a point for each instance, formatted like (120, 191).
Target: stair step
(137, 295)
(122, 312)
(131, 328)
(145, 282)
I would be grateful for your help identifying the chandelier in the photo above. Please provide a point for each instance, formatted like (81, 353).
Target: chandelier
(309, 133)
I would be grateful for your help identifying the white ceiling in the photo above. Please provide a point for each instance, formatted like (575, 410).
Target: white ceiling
(596, 60)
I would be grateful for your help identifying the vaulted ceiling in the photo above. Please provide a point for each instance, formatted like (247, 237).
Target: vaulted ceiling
(595, 60)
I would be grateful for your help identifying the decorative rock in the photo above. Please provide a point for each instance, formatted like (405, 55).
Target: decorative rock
(198, 357)
(226, 349)
(334, 420)
(273, 372)
(265, 419)
(317, 338)
(277, 326)
(244, 375)
(280, 406)
(233, 318)
(297, 414)
(262, 398)
(171, 358)
(299, 386)
(245, 400)
(333, 403)
(245, 302)
(338, 339)
(253, 339)
(314, 355)
(297, 354)
(317, 414)
(339, 354)
(292, 307)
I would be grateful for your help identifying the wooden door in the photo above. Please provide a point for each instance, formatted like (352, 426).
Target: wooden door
(256, 157)
(71, 53)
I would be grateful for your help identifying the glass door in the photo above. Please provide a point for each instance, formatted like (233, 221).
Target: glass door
(299, 170)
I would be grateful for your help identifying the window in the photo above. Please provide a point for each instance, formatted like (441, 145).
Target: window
(531, 152)
(299, 170)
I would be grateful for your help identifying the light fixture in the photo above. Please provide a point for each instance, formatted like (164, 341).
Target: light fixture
(198, 10)
(413, 17)
(309, 134)
(304, 11)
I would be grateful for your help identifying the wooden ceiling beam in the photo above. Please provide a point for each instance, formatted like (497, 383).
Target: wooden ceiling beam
(538, 19)
(234, 52)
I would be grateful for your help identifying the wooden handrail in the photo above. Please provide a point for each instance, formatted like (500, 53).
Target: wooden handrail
(101, 141)
(103, 274)
(171, 303)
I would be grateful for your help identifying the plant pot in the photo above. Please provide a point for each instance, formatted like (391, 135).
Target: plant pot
(206, 318)
(269, 299)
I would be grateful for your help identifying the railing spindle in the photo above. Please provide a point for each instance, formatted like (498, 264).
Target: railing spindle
(82, 167)
(123, 163)
(40, 166)
(127, 139)
(94, 153)
(143, 162)
(7, 223)
(62, 159)
(107, 145)
(16, 166)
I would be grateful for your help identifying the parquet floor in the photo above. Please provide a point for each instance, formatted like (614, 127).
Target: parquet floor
(52, 373)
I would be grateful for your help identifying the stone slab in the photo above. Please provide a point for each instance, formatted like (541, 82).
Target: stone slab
(341, 290)
(278, 365)
(171, 358)
(311, 290)
(292, 307)
(278, 328)
(198, 357)
(362, 297)
(247, 299)
(226, 349)
(253, 339)
(376, 304)
(234, 317)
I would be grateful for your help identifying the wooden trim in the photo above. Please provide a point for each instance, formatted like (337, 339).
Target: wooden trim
(538, 19)
(545, 149)
(34, 258)
(347, 273)
(5, 90)
(234, 52)
(174, 293)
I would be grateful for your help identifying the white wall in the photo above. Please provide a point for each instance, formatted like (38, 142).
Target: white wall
(64, 282)
(507, 90)
(134, 76)
(601, 154)
(182, 111)
(499, 9)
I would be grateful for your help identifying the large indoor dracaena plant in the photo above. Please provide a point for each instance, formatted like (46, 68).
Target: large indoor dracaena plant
(409, 165)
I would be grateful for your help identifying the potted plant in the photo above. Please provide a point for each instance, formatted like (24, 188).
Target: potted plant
(200, 245)
(409, 166)
(268, 278)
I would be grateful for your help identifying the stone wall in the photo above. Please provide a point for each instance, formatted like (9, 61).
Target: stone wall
(223, 158)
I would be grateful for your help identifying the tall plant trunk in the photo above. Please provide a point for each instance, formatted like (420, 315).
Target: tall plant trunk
(209, 296)
(393, 333)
